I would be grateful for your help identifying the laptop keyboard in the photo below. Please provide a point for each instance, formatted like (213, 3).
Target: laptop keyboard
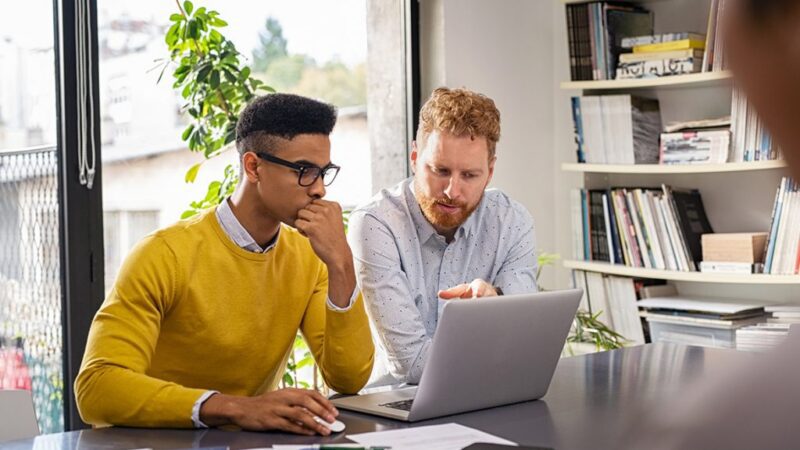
(404, 405)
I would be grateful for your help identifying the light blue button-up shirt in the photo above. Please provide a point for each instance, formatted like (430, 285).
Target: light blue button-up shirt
(402, 263)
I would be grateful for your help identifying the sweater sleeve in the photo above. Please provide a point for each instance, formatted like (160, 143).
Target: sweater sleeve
(340, 341)
(113, 386)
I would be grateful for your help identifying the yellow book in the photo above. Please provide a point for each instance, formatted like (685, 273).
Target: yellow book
(683, 44)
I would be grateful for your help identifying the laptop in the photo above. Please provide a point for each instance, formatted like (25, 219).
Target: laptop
(486, 352)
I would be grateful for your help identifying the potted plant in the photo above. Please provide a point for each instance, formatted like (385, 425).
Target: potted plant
(588, 334)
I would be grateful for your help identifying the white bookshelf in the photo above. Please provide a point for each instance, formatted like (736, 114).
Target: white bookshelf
(673, 169)
(695, 277)
(738, 196)
(676, 81)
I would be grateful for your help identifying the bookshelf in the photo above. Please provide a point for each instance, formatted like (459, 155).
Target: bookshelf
(645, 169)
(738, 197)
(670, 275)
(677, 81)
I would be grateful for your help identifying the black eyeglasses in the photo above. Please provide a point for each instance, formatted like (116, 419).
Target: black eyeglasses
(307, 174)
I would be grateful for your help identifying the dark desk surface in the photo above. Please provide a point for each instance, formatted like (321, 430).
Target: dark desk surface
(591, 403)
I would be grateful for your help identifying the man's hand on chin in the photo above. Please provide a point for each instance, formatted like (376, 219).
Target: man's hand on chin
(476, 288)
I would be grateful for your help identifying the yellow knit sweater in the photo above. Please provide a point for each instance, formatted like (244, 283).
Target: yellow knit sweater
(191, 312)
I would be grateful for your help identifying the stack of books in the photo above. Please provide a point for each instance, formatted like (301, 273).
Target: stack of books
(696, 142)
(595, 31)
(616, 129)
(661, 55)
(699, 321)
(761, 337)
(645, 227)
(783, 314)
(782, 251)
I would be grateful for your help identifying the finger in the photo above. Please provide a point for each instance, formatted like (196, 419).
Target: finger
(326, 203)
(302, 225)
(322, 400)
(316, 406)
(303, 417)
(290, 426)
(306, 214)
(453, 292)
(316, 207)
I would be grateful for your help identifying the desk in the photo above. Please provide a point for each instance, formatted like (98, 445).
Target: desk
(590, 404)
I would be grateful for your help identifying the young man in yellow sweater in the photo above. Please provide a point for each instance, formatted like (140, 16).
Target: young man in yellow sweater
(198, 327)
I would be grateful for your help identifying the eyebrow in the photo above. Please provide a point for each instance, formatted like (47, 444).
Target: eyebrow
(439, 166)
(305, 162)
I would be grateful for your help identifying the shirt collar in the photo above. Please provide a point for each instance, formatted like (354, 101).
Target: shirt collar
(237, 233)
(424, 228)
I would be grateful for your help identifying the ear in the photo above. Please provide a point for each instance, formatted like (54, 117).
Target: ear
(491, 169)
(414, 156)
(250, 167)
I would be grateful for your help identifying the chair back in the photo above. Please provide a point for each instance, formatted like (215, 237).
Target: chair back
(17, 417)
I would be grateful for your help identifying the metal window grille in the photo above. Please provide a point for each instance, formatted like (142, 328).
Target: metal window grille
(30, 285)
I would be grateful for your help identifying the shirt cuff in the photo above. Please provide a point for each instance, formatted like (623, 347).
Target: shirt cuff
(349, 305)
(196, 409)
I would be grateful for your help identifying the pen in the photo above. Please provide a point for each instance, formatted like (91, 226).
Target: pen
(345, 447)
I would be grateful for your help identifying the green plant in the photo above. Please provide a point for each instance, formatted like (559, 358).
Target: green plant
(586, 328)
(216, 85)
(589, 329)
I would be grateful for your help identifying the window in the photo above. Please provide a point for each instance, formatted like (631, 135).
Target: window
(31, 354)
(121, 231)
(144, 159)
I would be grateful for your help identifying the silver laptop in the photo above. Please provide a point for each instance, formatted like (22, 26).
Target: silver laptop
(486, 352)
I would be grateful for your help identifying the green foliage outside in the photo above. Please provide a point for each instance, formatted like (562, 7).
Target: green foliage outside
(333, 81)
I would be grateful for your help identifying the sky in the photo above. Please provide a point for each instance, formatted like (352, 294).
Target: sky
(323, 29)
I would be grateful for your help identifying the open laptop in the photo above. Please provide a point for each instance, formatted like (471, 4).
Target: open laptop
(486, 352)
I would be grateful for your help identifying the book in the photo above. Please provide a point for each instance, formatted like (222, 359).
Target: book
(677, 54)
(682, 44)
(701, 321)
(761, 337)
(692, 219)
(727, 267)
(617, 129)
(594, 36)
(635, 41)
(599, 231)
(658, 68)
(577, 121)
(697, 125)
(695, 147)
(782, 243)
(622, 300)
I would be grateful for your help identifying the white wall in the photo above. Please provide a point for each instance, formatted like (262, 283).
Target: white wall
(504, 49)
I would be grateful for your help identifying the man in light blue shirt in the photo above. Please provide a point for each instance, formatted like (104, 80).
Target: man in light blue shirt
(440, 234)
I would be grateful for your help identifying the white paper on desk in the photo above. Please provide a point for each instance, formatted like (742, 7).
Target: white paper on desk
(449, 436)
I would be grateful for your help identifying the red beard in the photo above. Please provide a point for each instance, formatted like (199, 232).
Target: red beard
(443, 219)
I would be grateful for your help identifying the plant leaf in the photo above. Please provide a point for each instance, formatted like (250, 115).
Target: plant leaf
(191, 174)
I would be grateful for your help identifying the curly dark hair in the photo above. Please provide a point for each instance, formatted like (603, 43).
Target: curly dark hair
(281, 116)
